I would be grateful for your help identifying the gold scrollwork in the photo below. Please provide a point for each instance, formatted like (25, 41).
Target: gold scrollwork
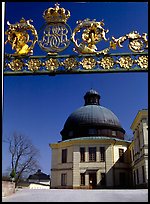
(34, 64)
(142, 61)
(70, 63)
(107, 62)
(93, 32)
(88, 63)
(51, 64)
(125, 62)
(18, 37)
(137, 42)
(16, 65)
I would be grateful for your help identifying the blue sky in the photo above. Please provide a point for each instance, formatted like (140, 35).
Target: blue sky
(38, 106)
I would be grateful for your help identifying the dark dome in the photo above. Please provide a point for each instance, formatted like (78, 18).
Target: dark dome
(93, 115)
(92, 119)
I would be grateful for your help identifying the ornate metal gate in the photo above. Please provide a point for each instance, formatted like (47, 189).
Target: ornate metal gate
(56, 35)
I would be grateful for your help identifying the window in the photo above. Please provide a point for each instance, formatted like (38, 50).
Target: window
(64, 155)
(137, 174)
(82, 154)
(92, 154)
(102, 154)
(113, 133)
(103, 179)
(143, 173)
(63, 179)
(82, 179)
(121, 155)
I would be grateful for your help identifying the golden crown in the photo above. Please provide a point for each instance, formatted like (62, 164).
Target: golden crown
(56, 14)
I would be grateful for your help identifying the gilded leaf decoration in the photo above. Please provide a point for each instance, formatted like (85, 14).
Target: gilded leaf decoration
(106, 62)
(34, 64)
(125, 62)
(88, 63)
(52, 64)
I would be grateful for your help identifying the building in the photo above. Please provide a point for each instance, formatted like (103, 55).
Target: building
(139, 149)
(39, 180)
(93, 152)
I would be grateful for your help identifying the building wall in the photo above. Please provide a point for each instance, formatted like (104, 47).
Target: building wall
(8, 188)
(73, 168)
(139, 149)
(39, 184)
(59, 168)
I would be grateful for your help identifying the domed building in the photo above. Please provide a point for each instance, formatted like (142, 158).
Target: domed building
(93, 152)
(92, 119)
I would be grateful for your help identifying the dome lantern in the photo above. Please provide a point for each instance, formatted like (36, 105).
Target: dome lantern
(92, 98)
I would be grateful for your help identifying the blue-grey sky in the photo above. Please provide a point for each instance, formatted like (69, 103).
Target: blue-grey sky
(38, 106)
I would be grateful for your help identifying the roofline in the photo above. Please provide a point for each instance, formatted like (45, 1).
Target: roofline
(142, 112)
(88, 140)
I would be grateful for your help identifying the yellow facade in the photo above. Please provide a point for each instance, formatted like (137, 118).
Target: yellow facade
(73, 168)
(139, 149)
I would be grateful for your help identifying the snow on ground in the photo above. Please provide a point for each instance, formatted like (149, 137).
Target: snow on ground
(70, 195)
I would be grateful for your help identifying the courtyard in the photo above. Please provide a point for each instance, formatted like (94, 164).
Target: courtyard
(70, 195)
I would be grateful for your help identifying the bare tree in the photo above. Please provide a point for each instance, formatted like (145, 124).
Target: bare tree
(24, 156)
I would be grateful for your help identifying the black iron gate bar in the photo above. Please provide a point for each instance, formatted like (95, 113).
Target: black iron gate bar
(75, 64)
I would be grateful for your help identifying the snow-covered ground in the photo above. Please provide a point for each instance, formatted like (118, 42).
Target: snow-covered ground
(70, 195)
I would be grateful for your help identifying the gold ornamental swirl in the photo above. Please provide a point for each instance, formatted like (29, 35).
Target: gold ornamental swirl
(137, 42)
(92, 33)
(19, 38)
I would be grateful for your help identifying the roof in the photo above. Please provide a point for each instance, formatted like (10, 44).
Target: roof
(89, 140)
(93, 114)
(92, 91)
(39, 176)
(97, 138)
(143, 113)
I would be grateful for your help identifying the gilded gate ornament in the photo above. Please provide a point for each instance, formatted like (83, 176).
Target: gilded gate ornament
(19, 38)
(93, 32)
(142, 61)
(34, 64)
(137, 42)
(125, 62)
(88, 63)
(106, 62)
(54, 36)
(16, 65)
(52, 64)
(70, 63)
